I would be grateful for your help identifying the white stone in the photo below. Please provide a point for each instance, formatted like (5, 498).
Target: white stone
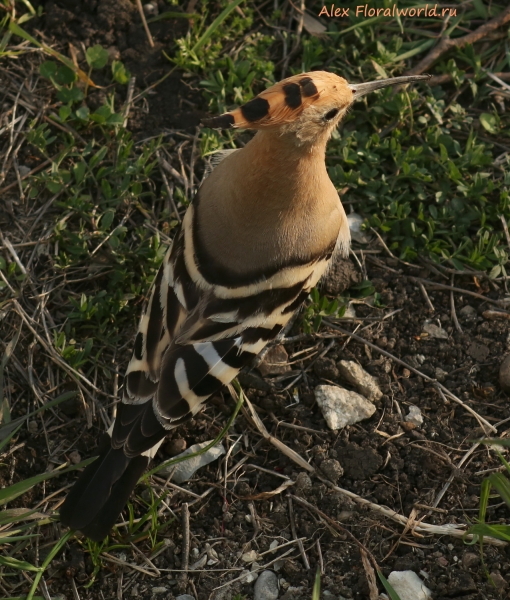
(357, 376)
(248, 576)
(434, 331)
(185, 597)
(342, 407)
(159, 590)
(409, 586)
(250, 556)
(414, 416)
(266, 586)
(355, 222)
(187, 468)
(350, 312)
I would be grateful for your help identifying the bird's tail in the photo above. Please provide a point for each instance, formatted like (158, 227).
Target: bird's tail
(98, 497)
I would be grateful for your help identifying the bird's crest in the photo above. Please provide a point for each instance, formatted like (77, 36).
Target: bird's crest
(283, 102)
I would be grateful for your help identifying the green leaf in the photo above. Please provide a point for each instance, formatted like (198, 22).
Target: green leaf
(64, 112)
(489, 122)
(48, 69)
(215, 24)
(79, 171)
(83, 113)
(97, 56)
(481, 9)
(64, 75)
(13, 491)
(120, 73)
(67, 95)
(316, 593)
(502, 485)
(500, 532)
(388, 587)
(14, 563)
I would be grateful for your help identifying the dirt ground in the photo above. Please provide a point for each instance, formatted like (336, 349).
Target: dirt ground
(384, 460)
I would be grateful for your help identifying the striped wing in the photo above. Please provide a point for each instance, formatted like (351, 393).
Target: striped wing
(196, 335)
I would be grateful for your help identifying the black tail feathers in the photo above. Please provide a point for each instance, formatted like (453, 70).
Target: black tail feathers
(98, 497)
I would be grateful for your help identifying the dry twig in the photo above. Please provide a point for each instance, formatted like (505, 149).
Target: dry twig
(144, 21)
(447, 44)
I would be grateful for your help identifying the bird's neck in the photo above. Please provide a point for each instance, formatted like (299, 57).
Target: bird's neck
(271, 199)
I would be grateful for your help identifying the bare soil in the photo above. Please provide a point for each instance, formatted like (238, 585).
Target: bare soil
(384, 460)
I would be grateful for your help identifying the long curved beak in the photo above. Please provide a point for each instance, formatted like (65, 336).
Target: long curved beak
(360, 89)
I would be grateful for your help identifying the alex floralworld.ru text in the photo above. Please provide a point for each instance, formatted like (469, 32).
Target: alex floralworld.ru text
(363, 10)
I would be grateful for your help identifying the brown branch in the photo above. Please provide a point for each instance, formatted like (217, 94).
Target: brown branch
(447, 43)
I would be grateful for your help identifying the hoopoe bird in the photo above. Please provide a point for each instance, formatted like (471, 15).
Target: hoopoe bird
(256, 239)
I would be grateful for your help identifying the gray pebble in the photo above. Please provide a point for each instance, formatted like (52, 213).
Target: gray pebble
(266, 586)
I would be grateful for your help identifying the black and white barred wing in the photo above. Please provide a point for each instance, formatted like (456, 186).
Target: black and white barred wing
(194, 337)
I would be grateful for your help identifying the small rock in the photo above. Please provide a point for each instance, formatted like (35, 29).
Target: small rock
(341, 407)
(187, 468)
(303, 482)
(440, 374)
(175, 447)
(33, 427)
(248, 576)
(332, 469)
(275, 362)
(23, 170)
(498, 580)
(340, 276)
(434, 331)
(504, 375)
(151, 9)
(470, 559)
(350, 312)
(249, 556)
(415, 417)
(326, 368)
(357, 376)
(468, 311)
(159, 590)
(409, 586)
(479, 352)
(75, 457)
(355, 222)
(266, 586)
(185, 597)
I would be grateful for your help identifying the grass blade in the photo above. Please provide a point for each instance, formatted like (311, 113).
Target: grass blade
(13, 491)
(388, 587)
(215, 24)
(17, 30)
(316, 593)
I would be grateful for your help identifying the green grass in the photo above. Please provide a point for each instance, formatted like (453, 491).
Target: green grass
(428, 167)
(496, 485)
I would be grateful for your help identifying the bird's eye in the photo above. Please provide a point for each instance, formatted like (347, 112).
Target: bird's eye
(331, 114)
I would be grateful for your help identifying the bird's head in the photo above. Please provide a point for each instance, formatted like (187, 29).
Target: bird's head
(306, 106)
